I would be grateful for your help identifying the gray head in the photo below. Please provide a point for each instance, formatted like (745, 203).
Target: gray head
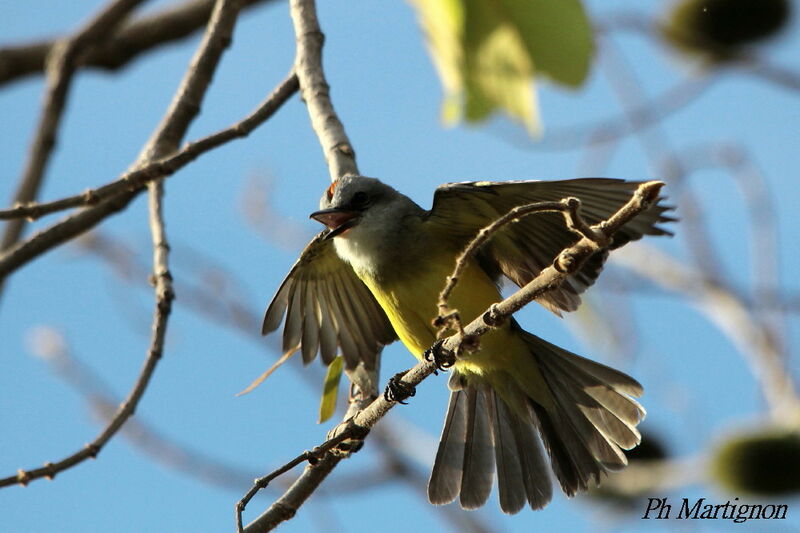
(353, 200)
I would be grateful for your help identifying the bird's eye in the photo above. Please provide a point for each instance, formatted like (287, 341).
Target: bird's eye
(360, 199)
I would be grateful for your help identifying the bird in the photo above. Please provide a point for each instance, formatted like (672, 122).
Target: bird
(373, 276)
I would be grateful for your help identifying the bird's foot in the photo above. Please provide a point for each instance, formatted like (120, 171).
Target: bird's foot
(397, 390)
(441, 357)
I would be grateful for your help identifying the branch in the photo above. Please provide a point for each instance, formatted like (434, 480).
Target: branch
(61, 65)
(136, 179)
(566, 263)
(647, 112)
(184, 106)
(284, 508)
(49, 345)
(732, 316)
(568, 206)
(339, 153)
(115, 196)
(126, 43)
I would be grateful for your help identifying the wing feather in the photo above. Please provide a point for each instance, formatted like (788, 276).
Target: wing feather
(521, 250)
(326, 306)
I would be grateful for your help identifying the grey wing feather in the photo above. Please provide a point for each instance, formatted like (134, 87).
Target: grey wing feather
(311, 324)
(523, 249)
(326, 305)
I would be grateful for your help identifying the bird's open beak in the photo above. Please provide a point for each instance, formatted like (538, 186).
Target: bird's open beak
(337, 220)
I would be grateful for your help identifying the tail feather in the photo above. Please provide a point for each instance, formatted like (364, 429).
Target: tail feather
(593, 418)
(593, 380)
(476, 483)
(601, 449)
(600, 414)
(535, 473)
(589, 419)
(521, 469)
(480, 431)
(445, 482)
(574, 466)
(510, 480)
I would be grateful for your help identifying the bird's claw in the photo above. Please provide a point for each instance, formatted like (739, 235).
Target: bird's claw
(397, 390)
(441, 357)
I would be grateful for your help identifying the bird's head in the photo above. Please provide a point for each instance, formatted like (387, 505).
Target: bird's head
(353, 200)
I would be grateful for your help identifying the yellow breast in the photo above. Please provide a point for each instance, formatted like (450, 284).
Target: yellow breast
(410, 303)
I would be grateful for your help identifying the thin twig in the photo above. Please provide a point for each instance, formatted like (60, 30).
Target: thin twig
(312, 457)
(757, 339)
(124, 411)
(566, 263)
(568, 206)
(133, 38)
(50, 345)
(732, 316)
(119, 193)
(61, 66)
(166, 137)
(614, 128)
(136, 179)
(339, 153)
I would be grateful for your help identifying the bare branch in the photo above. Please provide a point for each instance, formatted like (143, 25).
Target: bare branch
(128, 42)
(568, 206)
(165, 139)
(135, 179)
(732, 316)
(339, 153)
(125, 43)
(314, 457)
(189, 96)
(124, 411)
(118, 194)
(50, 345)
(609, 130)
(566, 263)
(61, 66)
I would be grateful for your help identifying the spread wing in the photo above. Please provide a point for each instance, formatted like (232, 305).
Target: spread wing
(521, 250)
(326, 307)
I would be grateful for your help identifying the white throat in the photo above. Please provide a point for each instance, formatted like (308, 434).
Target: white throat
(386, 237)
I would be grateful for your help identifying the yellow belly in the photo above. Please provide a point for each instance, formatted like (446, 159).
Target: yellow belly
(411, 306)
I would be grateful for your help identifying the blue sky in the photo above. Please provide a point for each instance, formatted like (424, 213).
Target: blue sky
(698, 387)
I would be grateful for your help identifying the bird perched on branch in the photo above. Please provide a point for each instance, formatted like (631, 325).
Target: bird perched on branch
(375, 274)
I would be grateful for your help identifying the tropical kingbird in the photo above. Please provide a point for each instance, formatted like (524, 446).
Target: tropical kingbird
(375, 274)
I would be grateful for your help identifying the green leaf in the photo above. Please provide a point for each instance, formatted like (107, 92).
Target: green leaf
(557, 35)
(330, 391)
(497, 69)
(487, 53)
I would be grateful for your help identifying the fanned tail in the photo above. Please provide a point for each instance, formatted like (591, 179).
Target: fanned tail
(481, 431)
(592, 417)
